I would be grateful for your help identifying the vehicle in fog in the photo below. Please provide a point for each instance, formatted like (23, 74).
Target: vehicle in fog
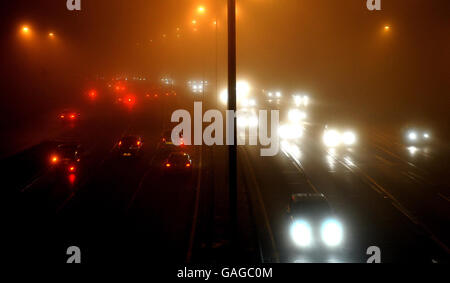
(67, 156)
(69, 116)
(178, 162)
(130, 146)
(334, 137)
(166, 139)
(312, 222)
(414, 136)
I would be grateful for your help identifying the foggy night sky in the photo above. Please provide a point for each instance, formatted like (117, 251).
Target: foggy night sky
(334, 50)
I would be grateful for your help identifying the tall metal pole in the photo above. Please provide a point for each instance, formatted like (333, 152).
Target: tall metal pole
(232, 149)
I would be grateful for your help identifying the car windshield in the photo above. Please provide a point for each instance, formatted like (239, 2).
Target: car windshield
(68, 150)
(318, 208)
(130, 140)
(283, 108)
(178, 158)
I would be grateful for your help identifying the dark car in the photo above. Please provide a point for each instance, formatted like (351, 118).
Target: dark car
(130, 146)
(178, 162)
(166, 139)
(67, 156)
(313, 224)
(69, 116)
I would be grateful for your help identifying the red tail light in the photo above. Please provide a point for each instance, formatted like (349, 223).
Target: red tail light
(72, 178)
(188, 165)
(93, 94)
(168, 165)
(138, 143)
(62, 116)
(72, 169)
(120, 143)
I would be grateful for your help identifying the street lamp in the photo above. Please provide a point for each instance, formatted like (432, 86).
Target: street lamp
(25, 30)
(201, 10)
(51, 34)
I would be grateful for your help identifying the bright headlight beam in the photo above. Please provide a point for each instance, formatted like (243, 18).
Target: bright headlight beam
(289, 131)
(332, 232)
(331, 138)
(301, 233)
(412, 136)
(296, 116)
(349, 138)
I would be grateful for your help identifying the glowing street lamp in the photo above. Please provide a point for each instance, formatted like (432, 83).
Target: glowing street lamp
(387, 28)
(51, 34)
(25, 30)
(201, 9)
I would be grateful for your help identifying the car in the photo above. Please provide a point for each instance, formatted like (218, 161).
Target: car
(130, 146)
(416, 136)
(313, 223)
(69, 116)
(166, 139)
(333, 137)
(177, 162)
(67, 156)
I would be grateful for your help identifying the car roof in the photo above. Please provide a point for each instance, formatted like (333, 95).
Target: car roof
(307, 197)
(314, 204)
(178, 154)
(131, 137)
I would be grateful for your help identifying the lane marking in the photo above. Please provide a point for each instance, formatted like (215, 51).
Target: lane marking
(79, 186)
(252, 176)
(301, 169)
(397, 204)
(196, 208)
(36, 179)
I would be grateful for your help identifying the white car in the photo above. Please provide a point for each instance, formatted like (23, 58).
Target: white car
(416, 136)
(335, 138)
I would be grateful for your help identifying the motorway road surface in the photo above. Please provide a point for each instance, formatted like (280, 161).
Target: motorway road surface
(386, 195)
(121, 211)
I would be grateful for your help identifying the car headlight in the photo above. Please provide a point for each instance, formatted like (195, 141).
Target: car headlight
(301, 233)
(412, 136)
(290, 131)
(331, 138)
(332, 232)
(296, 116)
(349, 138)
(426, 135)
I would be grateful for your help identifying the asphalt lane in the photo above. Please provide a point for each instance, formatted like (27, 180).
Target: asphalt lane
(115, 210)
(369, 191)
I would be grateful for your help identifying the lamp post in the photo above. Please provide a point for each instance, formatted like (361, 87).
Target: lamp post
(232, 149)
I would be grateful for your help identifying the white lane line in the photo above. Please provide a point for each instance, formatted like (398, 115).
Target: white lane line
(261, 204)
(100, 164)
(36, 179)
(396, 204)
(196, 209)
